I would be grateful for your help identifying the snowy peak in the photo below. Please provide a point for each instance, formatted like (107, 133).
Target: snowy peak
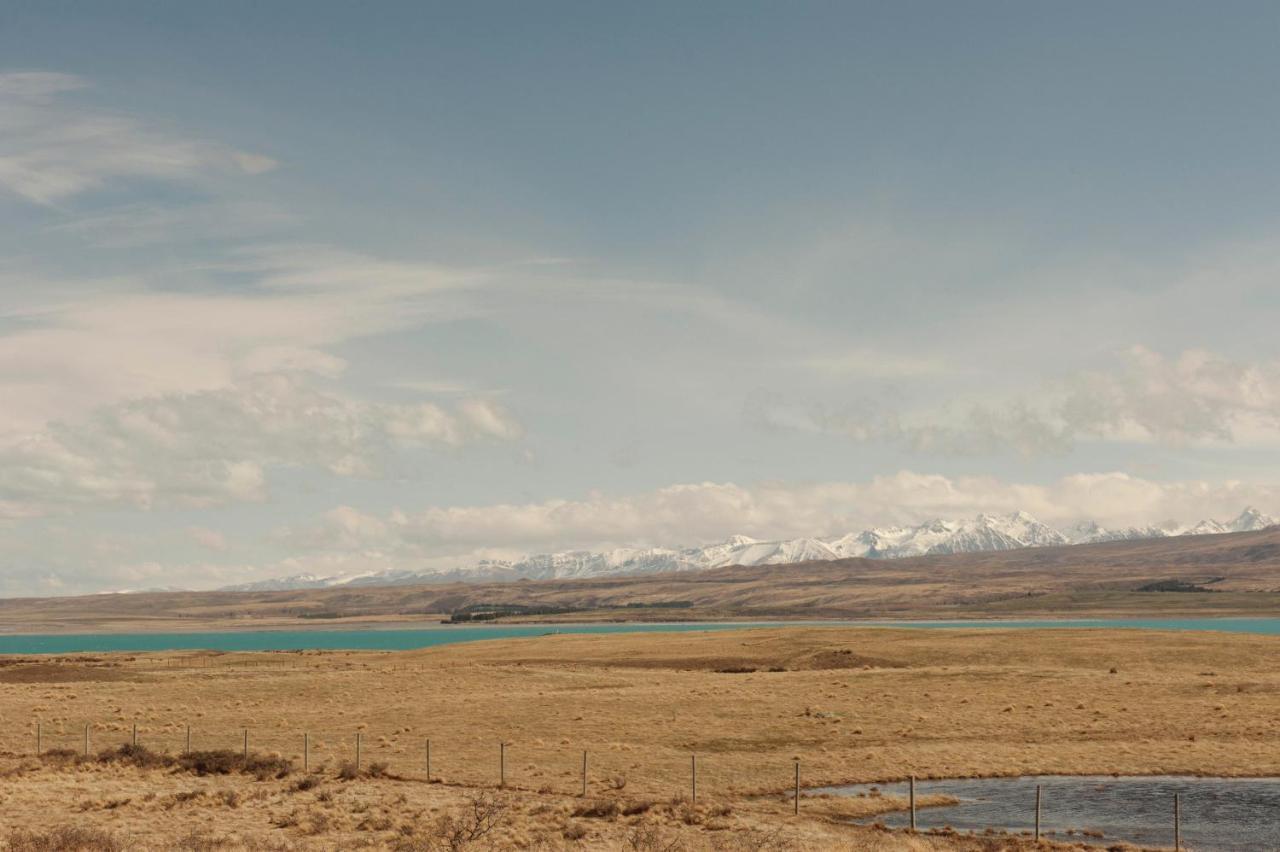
(1251, 520)
(983, 533)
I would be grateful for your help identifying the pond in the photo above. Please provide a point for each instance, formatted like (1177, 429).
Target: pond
(1217, 814)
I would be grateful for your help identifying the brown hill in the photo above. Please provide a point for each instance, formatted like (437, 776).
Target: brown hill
(1205, 575)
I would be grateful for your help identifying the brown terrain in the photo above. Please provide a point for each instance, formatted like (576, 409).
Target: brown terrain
(846, 704)
(1235, 574)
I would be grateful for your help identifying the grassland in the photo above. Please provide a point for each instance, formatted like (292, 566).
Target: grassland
(848, 704)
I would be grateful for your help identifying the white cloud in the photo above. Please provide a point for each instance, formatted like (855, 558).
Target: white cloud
(698, 513)
(864, 362)
(208, 539)
(54, 148)
(215, 447)
(77, 347)
(1142, 396)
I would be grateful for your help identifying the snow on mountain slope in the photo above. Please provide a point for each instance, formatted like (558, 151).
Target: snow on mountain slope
(1251, 520)
(979, 534)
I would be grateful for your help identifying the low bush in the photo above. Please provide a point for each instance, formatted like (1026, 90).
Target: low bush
(65, 838)
(599, 809)
(222, 762)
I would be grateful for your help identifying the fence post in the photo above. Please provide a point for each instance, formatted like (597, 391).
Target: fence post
(911, 792)
(135, 734)
(796, 807)
(1177, 822)
(306, 752)
(693, 775)
(246, 743)
(584, 772)
(39, 749)
(357, 751)
(187, 747)
(1037, 812)
(428, 761)
(502, 763)
(86, 739)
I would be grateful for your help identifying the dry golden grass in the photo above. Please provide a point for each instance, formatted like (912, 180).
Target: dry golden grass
(849, 704)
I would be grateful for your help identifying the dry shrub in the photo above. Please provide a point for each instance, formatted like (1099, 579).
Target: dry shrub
(347, 771)
(463, 829)
(197, 841)
(310, 782)
(755, 841)
(222, 762)
(648, 837)
(575, 831)
(599, 809)
(65, 838)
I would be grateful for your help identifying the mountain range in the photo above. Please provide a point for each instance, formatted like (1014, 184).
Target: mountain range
(980, 534)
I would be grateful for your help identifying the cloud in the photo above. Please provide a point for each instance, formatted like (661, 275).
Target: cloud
(208, 539)
(73, 347)
(53, 148)
(1142, 396)
(217, 447)
(699, 513)
(863, 362)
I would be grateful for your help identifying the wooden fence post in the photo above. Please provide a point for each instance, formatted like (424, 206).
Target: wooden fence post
(584, 772)
(358, 751)
(306, 752)
(911, 792)
(86, 739)
(187, 745)
(693, 775)
(502, 763)
(428, 761)
(246, 743)
(135, 734)
(1037, 812)
(796, 807)
(39, 748)
(1177, 822)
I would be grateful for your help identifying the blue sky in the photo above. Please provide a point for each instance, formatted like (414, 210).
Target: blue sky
(340, 287)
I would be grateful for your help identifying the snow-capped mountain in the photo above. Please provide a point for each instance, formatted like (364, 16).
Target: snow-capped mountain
(980, 534)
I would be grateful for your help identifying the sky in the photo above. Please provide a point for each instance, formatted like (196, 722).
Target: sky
(333, 287)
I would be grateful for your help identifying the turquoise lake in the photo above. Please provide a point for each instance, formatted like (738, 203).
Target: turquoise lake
(407, 639)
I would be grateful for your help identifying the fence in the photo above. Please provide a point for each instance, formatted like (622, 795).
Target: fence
(357, 753)
(566, 770)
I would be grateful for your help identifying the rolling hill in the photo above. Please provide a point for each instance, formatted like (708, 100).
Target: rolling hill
(1221, 574)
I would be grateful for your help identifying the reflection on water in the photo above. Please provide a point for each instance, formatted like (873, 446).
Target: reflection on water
(1219, 814)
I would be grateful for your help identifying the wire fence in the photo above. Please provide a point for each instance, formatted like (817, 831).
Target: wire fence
(546, 770)
(557, 768)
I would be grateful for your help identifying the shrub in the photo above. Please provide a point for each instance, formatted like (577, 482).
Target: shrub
(599, 809)
(63, 839)
(483, 815)
(310, 782)
(222, 762)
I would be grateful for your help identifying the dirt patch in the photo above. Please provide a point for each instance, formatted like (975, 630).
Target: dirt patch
(61, 673)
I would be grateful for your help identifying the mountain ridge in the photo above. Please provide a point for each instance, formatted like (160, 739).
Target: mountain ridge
(982, 534)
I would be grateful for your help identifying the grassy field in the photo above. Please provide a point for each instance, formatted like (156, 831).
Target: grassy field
(848, 704)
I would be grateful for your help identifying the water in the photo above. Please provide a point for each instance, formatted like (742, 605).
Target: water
(294, 640)
(1218, 814)
(408, 639)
